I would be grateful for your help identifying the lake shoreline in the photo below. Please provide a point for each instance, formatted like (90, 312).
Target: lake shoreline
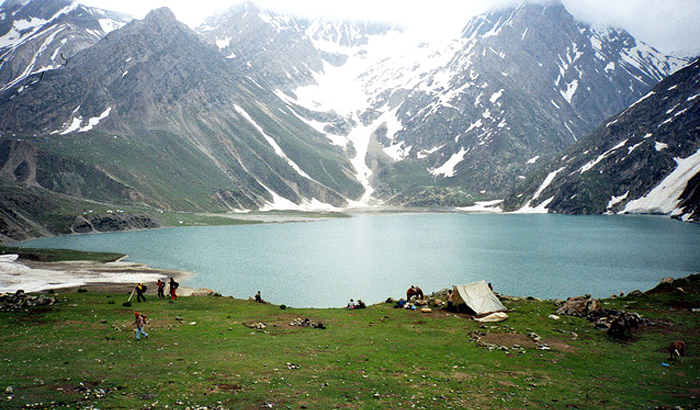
(70, 276)
(134, 273)
(374, 255)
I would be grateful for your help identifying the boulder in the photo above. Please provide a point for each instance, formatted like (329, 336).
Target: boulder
(581, 306)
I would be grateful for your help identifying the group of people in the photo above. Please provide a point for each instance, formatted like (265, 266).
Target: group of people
(359, 305)
(172, 284)
(140, 319)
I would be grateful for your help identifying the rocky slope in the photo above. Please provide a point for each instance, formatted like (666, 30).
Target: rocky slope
(42, 35)
(645, 159)
(151, 102)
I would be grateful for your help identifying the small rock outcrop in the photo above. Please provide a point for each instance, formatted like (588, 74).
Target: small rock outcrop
(581, 306)
(20, 300)
(112, 222)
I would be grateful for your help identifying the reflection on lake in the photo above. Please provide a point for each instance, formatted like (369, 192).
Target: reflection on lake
(372, 257)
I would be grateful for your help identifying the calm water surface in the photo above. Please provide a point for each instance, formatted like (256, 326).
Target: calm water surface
(372, 257)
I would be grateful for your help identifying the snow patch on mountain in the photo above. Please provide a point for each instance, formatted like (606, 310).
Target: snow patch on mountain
(541, 208)
(601, 157)
(447, 169)
(571, 88)
(280, 203)
(491, 207)
(278, 150)
(92, 122)
(614, 200)
(665, 197)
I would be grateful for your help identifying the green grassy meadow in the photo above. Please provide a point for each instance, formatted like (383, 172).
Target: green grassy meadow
(82, 353)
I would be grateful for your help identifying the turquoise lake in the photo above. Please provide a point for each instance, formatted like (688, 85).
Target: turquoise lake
(372, 256)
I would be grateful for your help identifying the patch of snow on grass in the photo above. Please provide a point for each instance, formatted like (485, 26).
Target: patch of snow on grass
(74, 126)
(426, 152)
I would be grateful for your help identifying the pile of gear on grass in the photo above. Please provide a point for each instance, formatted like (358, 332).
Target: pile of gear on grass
(477, 299)
(21, 301)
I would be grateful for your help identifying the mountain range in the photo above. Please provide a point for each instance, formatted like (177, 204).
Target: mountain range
(645, 159)
(256, 110)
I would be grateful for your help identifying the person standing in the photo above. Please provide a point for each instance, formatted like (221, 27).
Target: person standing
(140, 323)
(161, 289)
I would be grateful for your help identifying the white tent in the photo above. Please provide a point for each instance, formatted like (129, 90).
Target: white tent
(478, 296)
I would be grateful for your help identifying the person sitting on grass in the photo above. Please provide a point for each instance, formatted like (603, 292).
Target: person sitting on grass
(351, 305)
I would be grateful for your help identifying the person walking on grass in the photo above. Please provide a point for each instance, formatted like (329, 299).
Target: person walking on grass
(140, 290)
(173, 289)
(161, 289)
(140, 322)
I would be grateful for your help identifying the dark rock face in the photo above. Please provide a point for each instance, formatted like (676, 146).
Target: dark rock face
(644, 160)
(112, 222)
(19, 212)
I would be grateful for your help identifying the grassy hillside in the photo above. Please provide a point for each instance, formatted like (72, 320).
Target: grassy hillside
(82, 353)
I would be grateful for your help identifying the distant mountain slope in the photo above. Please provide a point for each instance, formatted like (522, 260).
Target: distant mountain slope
(164, 113)
(476, 115)
(522, 84)
(42, 35)
(645, 159)
(284, 51)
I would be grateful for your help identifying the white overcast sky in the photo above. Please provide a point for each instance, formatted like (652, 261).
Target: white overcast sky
(669, 25)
